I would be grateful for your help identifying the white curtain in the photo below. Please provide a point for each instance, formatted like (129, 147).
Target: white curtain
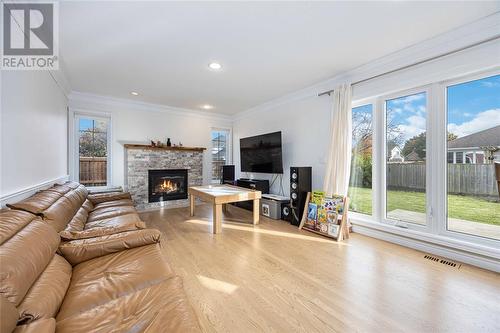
(338, 165)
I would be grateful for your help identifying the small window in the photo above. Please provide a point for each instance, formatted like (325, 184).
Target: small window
(92, 138)
(220, 153)
(450, 157)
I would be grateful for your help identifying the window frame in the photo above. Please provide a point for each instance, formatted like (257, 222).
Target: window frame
(74, 165)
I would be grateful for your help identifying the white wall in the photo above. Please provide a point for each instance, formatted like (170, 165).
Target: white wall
(304, 129)
(134, 122)
(33, 131)
(303, 117)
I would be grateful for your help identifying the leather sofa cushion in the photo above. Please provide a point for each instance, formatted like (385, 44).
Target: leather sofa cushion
(101, 280)
(99, 231)
(63, 210)
(77, 251)
(38, 326)
(115, 203)
(25, 254)
(78, 221)
(162, 307)
(57, 205)
(46, 295)
(12, 222)
(37, 203)
(109, 212)
(8, 315)
(110, 196)
(131, 220)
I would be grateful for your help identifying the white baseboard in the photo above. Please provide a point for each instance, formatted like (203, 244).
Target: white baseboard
(29, 191)
(467, 257)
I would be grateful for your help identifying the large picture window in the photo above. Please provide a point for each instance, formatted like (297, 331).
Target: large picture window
(427, 160)
(405, 143)
(473, 172)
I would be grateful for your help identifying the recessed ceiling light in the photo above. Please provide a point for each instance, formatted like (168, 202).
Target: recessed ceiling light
(135, 93)
(207, 107)
(215, 66)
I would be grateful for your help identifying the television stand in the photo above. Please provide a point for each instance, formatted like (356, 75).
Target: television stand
(254, 184)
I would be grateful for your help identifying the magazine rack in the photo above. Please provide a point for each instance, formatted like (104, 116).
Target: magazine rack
(343, 232)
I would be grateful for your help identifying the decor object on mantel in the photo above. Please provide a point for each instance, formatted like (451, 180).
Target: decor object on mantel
(168, 142)
(138, 146)
(326, 215)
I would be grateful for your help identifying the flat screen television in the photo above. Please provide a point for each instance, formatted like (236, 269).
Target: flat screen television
(261, 153)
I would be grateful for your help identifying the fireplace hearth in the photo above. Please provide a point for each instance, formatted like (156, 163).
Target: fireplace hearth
(167, 184)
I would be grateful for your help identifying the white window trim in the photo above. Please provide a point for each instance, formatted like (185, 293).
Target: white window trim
(435, 232)
(74, 115)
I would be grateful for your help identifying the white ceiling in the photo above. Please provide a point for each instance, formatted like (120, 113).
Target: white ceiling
(267, 49)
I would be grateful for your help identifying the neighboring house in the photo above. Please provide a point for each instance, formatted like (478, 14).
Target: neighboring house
(412, 157)
(396, 156)
(478, 148)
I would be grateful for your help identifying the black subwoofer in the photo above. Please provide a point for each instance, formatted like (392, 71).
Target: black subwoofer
(286, 212)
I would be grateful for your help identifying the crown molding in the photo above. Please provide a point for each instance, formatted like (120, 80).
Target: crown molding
(107, 104)
(460, 37)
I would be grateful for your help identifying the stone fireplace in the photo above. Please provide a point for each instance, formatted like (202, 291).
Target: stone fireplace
(160, 176)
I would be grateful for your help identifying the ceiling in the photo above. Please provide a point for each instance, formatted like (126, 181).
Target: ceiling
(267, 49)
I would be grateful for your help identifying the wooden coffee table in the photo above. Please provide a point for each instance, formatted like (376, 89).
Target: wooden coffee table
(219, 196)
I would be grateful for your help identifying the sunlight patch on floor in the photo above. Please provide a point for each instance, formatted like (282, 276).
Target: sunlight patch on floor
(217, 285)
(268, 232)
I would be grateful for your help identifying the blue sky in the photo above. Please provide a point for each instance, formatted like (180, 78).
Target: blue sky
(474, 106)
(471, 107)
(86, 124)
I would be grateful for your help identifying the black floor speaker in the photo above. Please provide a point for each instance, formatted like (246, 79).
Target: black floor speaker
(228, 174)
(300, 184)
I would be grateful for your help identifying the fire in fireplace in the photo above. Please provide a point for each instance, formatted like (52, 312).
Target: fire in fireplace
(167, 184)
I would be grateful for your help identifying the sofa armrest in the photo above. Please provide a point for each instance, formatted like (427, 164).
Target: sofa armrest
(111, 196)
(38, 326)
(77, 251)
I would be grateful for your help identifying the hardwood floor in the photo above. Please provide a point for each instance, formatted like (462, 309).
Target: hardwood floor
(274, 278)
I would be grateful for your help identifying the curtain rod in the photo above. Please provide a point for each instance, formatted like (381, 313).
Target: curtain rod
(328, 92)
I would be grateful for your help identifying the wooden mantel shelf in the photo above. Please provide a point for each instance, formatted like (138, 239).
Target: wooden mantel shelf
(137, 146)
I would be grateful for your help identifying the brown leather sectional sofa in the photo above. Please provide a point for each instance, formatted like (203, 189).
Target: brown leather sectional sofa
(75, 262)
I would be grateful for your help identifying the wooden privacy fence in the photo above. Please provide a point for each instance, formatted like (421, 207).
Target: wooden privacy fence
(470, 179)
(93, 171)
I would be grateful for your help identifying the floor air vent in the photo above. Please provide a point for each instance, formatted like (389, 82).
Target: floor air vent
(443, 261)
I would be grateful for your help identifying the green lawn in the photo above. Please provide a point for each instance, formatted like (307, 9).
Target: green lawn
(459, 206)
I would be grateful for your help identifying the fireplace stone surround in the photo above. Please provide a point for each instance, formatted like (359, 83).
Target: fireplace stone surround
(142, 158)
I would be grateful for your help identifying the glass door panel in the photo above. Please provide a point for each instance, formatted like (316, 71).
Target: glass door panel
(473, 112)
(406, 126)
